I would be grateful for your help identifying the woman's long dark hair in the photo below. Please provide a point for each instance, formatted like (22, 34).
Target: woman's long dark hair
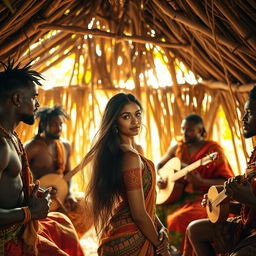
(105, 184)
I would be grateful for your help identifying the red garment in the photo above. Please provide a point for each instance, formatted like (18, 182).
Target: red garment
(189, 208)
(53, 236)
(218, 168)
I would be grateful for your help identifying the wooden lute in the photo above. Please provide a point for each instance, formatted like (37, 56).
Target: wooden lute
(218, 202)
(171, 172)
(60, 184)
(217, 206)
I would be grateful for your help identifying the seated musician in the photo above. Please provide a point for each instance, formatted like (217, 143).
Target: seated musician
(236, 236)
(48, 153)
(26, 228)
(177, 215)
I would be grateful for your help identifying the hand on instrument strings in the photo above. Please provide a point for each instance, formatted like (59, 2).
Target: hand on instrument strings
(241, 192)
(70, 202)
(204, 200)
(194, 178)
(39, 206)
(161, 183)
(53, 193)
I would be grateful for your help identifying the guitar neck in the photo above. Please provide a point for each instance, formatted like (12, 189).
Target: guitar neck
(78, 168)
(219, 198)
(178, 175)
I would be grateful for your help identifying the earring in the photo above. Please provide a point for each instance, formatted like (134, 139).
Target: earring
(115, 130)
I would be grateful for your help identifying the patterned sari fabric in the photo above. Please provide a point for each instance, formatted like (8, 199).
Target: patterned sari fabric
(179, 214)
(122, 237)
(54, 235)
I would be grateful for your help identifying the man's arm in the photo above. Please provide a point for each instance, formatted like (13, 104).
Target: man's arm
(240, 192)
(170, 153)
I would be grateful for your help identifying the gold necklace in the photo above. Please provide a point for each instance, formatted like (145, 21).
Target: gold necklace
(18, 147)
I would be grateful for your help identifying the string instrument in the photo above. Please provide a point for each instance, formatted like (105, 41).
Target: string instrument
(172, 172)
(218, 203)
(60, 184)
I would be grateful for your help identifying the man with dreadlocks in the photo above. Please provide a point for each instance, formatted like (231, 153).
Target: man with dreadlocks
(49, 159)
(26, 228)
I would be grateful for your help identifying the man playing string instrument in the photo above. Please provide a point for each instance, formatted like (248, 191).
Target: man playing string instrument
(49, 153)
(236, 236)
(177, 215)
(26, 228)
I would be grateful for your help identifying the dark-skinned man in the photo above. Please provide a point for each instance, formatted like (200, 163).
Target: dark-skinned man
(236, 236)
(26, 228)
(193, 146)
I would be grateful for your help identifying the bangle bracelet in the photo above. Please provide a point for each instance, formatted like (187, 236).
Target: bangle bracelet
(27, 214)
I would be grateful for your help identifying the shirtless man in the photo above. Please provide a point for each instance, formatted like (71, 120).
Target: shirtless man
(49, 153)
(21, 204)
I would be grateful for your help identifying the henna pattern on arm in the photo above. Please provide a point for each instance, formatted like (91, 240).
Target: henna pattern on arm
(132, 179)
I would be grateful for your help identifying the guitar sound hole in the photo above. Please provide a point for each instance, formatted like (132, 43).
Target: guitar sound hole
(210, 205)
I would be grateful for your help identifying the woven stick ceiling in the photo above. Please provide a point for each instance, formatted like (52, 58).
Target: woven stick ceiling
(215, 39)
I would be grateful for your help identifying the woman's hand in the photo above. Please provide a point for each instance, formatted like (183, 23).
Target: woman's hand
(163, 247)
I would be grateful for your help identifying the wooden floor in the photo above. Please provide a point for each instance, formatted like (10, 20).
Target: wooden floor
(89, 243)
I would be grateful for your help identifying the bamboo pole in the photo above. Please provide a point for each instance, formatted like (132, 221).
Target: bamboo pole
(167, 10)
(238, 25)
(108, 35)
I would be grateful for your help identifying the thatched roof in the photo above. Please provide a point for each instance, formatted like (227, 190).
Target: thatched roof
(114, 41)
(215, 39)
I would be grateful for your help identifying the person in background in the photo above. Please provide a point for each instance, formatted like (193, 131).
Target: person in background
(49, 153)
(237, 235)
(26, 228)
(177, 215)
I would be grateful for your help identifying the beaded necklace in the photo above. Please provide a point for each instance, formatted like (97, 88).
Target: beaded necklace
(16, 143)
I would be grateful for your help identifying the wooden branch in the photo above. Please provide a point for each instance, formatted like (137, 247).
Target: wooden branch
(222, 86)
(8, 22)
(108, 35)
(239, 25)
(167, 10)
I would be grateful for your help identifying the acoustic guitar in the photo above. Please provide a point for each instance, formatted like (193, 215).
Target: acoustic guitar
(217, 206)
(60, 184)
(172, 172)
(218, 203)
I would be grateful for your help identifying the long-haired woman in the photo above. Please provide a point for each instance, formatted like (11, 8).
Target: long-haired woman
(122, 186)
